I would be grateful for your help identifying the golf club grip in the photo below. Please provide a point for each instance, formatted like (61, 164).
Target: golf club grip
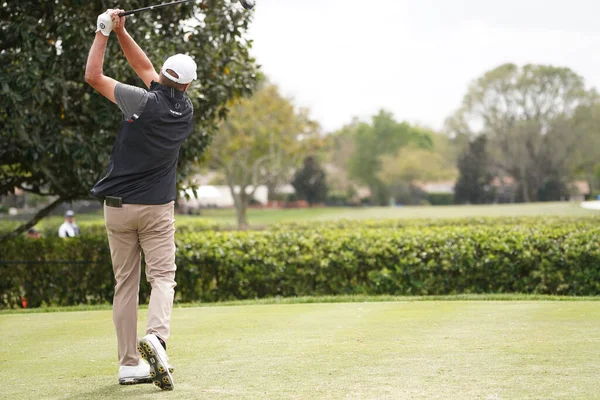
(126, 13)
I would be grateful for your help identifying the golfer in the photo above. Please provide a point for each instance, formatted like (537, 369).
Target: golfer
(139, 189)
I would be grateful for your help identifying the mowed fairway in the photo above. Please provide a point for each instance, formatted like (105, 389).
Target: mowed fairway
(267, 217)
(263, 217)
(387, 350)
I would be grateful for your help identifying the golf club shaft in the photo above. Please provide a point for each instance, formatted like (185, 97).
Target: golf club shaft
(125, 13)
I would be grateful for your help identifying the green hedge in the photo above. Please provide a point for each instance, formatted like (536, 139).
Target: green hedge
(532, 221)
(55, 271)
(428, 261)
(188, 225)
(96, 227)
(562, 257)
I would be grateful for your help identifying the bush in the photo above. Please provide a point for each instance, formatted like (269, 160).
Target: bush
(437, 260)
(556, 256)
(576, 222)
(338, 199)
(284, 197)
(56, 271)
(440, 199)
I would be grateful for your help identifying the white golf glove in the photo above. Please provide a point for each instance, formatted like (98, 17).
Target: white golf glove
(104, 24)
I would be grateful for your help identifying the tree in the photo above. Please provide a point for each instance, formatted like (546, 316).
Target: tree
(401, 172)
(413, 165)
(586, 162)
(336, 152)
(528, 114)
(57, 133)
(449, 148)
(263, 140)
(383, 136)
(473, 185)
(310, 182)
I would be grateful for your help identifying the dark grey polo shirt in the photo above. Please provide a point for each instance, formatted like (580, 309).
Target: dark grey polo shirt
(143, 163)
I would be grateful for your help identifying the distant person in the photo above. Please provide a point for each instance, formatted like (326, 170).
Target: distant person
(69, 228)
(33, 233)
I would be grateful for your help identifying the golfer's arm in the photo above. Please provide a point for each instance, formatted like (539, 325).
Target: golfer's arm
(93, 69)
(137, 59)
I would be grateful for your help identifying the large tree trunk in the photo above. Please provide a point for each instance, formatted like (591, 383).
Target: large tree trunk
(523, 179)
(242, 209)
(271, 187)
(374, 195)
(591, 179)
(240, 200)
(525, 188)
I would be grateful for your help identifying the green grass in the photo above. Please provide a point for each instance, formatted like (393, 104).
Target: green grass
(382, 350)
(322, 299)
(267, 217)
(263, 217)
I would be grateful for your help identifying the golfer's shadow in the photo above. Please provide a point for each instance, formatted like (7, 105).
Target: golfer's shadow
(115, 391)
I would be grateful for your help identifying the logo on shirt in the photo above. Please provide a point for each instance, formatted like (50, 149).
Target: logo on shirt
(178, 105)
(175, 113)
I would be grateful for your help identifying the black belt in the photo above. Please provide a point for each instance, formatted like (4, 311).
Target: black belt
(112, 201)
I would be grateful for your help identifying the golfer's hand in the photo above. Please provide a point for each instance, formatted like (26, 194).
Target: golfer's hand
(118, 22)
(104, 23)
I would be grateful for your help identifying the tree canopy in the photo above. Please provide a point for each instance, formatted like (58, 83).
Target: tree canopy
(262, 141)
(534, 118)
(383, 136)
(57, 133)
(412, 164)
(310, 182)
(474, 183)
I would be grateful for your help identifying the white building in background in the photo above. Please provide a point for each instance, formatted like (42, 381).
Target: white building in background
(217, 196)
(285, 189)
(437, 187)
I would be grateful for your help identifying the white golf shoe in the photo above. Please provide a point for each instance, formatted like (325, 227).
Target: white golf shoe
(131, 375)
(169, 366)
(153, 352)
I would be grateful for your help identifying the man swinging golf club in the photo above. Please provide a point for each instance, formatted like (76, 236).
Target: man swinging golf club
(139, 189)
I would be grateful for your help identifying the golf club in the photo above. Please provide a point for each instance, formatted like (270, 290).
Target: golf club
(247, 4)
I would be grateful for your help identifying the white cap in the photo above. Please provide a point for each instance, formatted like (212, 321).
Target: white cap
(184, 66)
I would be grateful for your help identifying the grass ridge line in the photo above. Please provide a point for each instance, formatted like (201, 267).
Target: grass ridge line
(322, 299)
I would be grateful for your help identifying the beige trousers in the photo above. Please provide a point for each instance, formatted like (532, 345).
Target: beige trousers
(133, 229)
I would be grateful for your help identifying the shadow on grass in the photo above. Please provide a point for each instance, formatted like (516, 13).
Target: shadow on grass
(116, 391)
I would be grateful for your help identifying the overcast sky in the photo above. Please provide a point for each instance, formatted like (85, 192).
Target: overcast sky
(413, 57)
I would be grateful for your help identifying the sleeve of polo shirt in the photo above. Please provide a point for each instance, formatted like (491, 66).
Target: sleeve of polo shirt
(130, 99)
